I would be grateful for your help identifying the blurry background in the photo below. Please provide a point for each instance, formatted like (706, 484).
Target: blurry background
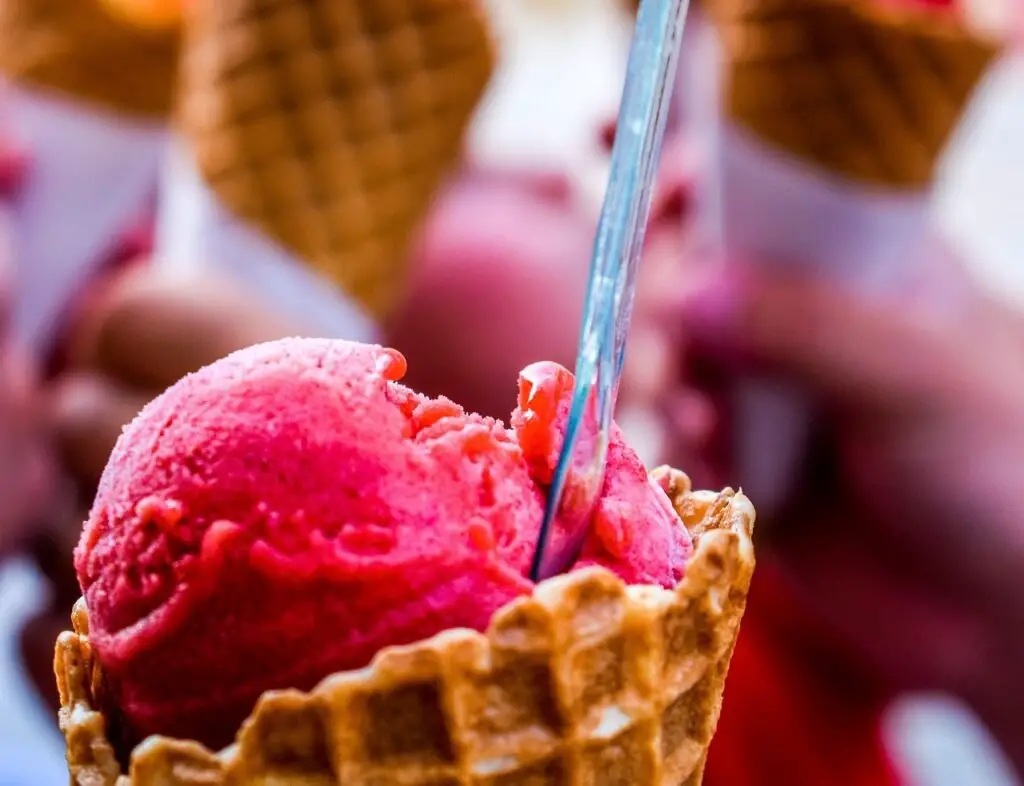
(554, 88)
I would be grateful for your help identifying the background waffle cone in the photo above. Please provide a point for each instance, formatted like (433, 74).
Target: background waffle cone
(586, 681)
(77, 48)
(330, 125)
(858, 88)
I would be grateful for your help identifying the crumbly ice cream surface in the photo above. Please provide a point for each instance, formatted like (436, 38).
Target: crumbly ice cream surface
(290, 510)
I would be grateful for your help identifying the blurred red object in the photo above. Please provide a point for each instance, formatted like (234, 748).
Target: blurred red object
(13, 166)
(797, 711)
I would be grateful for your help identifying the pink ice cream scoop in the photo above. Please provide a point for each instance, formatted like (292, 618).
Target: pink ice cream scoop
(290, 510)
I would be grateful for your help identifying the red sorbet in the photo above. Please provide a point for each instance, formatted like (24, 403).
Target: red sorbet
(290, 510)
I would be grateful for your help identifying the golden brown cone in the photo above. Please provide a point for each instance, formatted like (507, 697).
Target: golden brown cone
(859, 88)
(330, 125)
(586, 679)
(76, 48)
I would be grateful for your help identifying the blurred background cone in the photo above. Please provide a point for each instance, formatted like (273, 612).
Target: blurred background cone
(824, 124)
(329, 126)
(80, 50)
(867, 91)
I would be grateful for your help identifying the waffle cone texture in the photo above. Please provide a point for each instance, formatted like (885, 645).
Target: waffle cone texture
(854, 87)
(329, 126)
(77, 49)
(587, 681)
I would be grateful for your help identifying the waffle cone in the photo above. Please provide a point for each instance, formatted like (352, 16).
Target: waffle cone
(860, 89)
(330, 126)
(585, 681)
(79, 50)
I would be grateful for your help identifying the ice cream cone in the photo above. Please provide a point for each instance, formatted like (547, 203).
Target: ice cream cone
(80, 50)
(329, 126)
(823, 126)
(587, 680)
(860, 89)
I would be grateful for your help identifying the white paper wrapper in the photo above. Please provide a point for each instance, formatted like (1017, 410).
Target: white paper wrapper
(194, 231)
(90, 174)
(780, 213)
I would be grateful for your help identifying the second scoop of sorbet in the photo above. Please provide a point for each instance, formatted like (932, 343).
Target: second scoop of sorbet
(289, 511)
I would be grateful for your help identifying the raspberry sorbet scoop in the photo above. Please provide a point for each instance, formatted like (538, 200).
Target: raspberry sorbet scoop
(290, 510)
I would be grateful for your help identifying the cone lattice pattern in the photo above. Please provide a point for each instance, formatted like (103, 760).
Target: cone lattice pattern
(76, 48)
(330, 125)
(858, 89)
(585, 682)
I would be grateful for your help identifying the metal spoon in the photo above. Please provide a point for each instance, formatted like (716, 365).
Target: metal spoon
(639, 133)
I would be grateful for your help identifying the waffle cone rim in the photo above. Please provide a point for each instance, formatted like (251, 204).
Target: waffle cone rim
(717, 580)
